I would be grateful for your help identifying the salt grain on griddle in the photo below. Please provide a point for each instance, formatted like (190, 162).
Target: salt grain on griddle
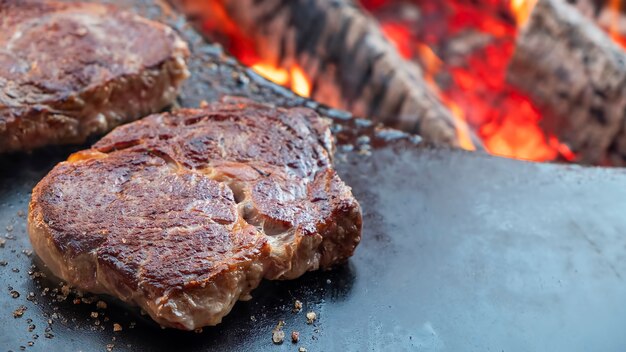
(15, 294)
(310, 317)
(2, 243)
(295, 336)
(278, 335)
(94, 314)
(101, 305)
(302, 349)
(117, 327)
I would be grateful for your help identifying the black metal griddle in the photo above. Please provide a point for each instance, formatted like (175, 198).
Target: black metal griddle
(460, 252)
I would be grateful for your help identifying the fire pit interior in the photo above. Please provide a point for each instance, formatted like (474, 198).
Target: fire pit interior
(541, 80)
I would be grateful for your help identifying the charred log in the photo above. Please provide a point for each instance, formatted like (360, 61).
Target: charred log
(344, 53)
(577, 76)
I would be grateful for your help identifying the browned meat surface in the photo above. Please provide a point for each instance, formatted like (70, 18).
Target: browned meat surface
(184, 213)
(68, 71)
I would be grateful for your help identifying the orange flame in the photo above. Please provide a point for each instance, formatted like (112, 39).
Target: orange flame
(294, 78)
(521, 10)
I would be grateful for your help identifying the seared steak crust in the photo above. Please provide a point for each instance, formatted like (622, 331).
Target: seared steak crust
(68, 71)
(183, 213)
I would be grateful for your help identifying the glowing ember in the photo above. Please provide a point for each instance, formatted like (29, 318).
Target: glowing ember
(476, 89)
(614, 30)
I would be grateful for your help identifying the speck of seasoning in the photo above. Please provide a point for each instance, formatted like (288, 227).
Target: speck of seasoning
(328, 281)
(20, 213)
(295, 336)
(278, 335)
(94, 314)
(22, 348)
(30, 343)
(65, 290)
(3, 263)
(2, 242)
(35, 336)
(101, 305)
(31, 327)
(48, 335)
(110, 347)
(198, 331)
(88, 300)
(9, 228)
(302, 349)
(19, 311)
(15, 294)
(253, 318)
(15, 270)
(117, 327)
(76, 301)
(27, 252)
(297, 306)
(310, 317)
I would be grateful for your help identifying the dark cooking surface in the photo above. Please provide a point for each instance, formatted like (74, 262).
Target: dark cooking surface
(460, 252)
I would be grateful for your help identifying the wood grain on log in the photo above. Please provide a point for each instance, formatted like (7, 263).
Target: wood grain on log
(351, 64)
(577, 77)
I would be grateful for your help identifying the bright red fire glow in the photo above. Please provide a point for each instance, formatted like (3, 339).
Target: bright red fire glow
(476, 90)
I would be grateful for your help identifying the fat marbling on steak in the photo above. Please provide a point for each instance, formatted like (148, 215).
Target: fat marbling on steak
(184, 213)
(68, 71)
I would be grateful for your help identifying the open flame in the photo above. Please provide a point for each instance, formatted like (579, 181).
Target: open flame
(294, 78)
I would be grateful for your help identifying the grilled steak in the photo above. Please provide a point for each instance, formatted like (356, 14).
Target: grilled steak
(183, 213)
(68, 71)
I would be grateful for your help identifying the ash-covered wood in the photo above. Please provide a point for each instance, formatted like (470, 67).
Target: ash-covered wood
(604, 13)
(342, 50)
(577, 77)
